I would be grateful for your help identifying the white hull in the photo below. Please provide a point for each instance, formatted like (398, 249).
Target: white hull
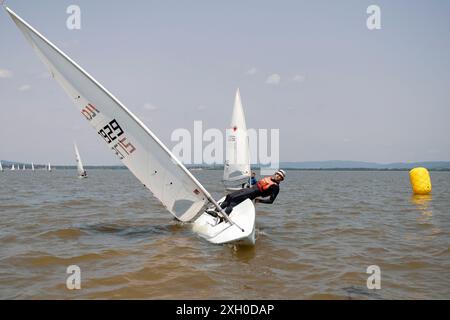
(243, 215)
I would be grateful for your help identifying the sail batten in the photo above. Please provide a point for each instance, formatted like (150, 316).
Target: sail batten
(135, 145)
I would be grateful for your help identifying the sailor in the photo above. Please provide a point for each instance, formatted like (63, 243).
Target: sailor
(253, 180)
(264, 191)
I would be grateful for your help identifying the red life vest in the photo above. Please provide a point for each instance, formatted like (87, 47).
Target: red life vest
(265, 184)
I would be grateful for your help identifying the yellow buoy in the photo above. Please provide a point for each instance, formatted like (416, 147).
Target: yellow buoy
(420, 180)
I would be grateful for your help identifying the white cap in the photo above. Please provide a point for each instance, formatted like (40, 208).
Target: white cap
(281, 173)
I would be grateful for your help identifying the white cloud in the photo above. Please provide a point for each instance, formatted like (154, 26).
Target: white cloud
(298, 78)
(25, 87)
(273, 79)
(251, 72)
(5, 73)
(150, 107)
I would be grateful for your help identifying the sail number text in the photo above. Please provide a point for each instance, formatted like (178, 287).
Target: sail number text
(89, 112)
(113, 134)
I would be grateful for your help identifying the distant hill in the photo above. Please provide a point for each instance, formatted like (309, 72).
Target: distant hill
(339, 164)
(9, 163)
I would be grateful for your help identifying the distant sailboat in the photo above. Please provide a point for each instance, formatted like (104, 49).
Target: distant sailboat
(23, 168)
(236, 171)
(32, 166)
(49, 168)
(81, 172)
(12, 167)
(1, 167)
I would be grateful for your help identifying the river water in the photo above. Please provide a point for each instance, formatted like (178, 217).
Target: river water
(315, 242)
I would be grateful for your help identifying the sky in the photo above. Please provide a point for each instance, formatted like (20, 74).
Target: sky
(312, 69)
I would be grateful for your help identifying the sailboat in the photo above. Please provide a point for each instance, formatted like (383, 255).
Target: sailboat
(49, 168)
(1, 167)
(139, 148)
(12, 167)
(32, 166)
(236, 172)
(23, 167)
(81, 172)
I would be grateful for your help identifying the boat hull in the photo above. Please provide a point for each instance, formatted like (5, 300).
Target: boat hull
(207, 226)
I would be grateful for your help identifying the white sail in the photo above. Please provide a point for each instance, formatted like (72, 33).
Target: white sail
(23, 167)
(49, 168)
(1, 167)
(12, 167)
(32, 166)
(78, 159)
(237, 164)
(136, 146)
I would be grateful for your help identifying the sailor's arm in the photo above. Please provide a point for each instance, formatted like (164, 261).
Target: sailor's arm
(275, 191)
